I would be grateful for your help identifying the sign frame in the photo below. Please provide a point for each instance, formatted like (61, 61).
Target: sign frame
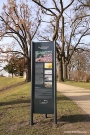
(33, 44)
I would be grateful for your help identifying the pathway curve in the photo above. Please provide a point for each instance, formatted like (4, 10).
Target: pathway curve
(79, 95)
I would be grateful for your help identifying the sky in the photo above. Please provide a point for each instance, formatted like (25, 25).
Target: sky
(1, 3)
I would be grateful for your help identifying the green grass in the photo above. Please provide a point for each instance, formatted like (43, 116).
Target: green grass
(85, 85)
(6, 81)
(15, 115)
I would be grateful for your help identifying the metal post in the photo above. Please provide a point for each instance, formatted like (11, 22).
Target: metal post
(45, 115)
(31, 115)
(55, 104)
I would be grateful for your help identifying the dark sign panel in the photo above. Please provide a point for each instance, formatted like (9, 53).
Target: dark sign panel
(43, 77)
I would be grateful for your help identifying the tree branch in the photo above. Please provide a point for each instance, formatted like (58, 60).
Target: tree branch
(47, 9)
(69, 5)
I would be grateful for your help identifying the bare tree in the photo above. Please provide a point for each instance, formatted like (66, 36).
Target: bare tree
(56, 12)
(71, 32)
(84, 3)
(20, 22)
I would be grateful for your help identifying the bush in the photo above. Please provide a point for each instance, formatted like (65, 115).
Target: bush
(87, 78)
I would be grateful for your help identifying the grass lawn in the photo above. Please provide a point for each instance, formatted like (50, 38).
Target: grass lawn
(6, 81)
(85, 85)
(15, 115)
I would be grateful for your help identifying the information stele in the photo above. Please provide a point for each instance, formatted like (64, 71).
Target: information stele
(43, 79)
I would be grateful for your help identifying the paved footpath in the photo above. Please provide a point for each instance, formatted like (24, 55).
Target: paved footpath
(79, 95)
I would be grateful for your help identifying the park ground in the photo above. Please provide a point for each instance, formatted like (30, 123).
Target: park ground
(15, 113)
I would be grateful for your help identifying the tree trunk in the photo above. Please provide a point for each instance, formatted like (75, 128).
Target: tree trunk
(63, 63)
(65, 72)
(68, 75)
(12, 75)
(60, 71)
(28, 70)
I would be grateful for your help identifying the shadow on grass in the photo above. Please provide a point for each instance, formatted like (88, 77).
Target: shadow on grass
(13, 85)
(63, 98)
(75, 118)
(14, 102)
(72, 118)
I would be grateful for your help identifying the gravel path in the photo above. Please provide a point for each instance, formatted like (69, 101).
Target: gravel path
(79, 95)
